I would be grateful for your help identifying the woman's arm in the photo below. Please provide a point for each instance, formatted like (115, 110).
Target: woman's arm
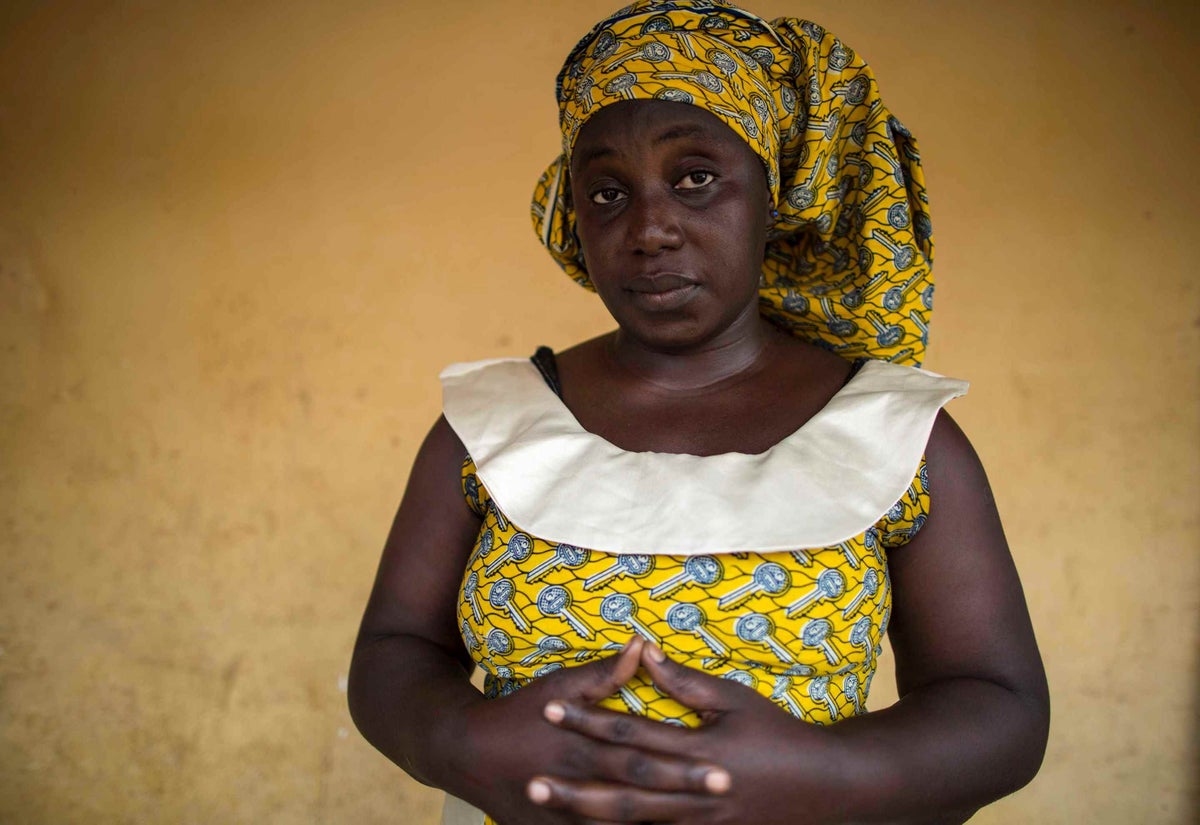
(409, 691)
(974, 711)
(970, 726)
(409, 674)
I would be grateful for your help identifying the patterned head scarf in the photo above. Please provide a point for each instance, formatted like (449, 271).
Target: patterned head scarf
(848, 260)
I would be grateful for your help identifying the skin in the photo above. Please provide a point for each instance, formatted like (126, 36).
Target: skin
(672, 209)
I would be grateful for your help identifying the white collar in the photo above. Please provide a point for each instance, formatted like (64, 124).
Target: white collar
(825, 483)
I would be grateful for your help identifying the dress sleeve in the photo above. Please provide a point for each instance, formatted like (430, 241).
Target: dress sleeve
(474, 492)
(908, 514)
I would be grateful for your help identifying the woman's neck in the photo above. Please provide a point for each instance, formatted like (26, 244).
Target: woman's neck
(739, 353)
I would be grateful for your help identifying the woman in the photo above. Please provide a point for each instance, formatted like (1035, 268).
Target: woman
(722, 491)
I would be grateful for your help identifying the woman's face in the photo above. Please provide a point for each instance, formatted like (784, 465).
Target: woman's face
(672, 209)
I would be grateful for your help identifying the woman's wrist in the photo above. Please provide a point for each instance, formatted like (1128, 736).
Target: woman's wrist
(864, 767)
(854, 771)
(456, 757)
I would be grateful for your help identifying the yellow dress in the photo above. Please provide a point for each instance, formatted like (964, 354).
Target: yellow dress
(802, 627)
(689, 551)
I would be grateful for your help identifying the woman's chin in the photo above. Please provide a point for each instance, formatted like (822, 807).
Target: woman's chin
(670, 334)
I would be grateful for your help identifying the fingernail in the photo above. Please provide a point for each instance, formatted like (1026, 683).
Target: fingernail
(554, 712)
(655, 652)
(718, 780)
(539, 791)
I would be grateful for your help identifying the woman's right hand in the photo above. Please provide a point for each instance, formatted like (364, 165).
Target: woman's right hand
(499, 745)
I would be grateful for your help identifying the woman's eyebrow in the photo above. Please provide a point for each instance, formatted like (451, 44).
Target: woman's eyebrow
(594, 153)
(686, 130)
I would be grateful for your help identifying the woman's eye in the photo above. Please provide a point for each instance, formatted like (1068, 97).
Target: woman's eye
(695, 180)
(606, 196)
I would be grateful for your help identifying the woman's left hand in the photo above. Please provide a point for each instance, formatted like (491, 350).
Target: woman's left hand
(779, 769)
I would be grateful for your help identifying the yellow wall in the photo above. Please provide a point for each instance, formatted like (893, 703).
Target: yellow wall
(238, 240)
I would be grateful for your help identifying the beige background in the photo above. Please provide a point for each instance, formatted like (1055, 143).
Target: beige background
(238, 240)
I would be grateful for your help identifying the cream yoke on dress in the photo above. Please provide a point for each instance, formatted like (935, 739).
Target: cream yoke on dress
(829, 481)
(826, 482)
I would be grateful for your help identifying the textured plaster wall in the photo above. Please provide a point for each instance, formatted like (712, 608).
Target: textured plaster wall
(238, 240)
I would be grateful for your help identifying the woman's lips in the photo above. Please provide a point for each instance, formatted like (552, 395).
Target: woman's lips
(662, 291)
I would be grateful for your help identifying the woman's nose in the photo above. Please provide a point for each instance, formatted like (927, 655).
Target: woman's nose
(654, 224)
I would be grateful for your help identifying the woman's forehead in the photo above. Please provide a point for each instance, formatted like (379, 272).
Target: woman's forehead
(650, 123)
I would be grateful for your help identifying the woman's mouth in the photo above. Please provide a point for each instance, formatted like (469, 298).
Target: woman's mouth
(660, 292)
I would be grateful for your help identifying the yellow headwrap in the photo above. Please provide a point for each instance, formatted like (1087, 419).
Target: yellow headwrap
(848, 261)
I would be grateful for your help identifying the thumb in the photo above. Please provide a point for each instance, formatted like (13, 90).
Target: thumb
(602, 678)
(699, 691)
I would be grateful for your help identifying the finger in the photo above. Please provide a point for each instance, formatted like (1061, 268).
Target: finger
(660, 772)
(620, 728)
(603, 678)
(617, 803)
(699, 691)
(643, 768)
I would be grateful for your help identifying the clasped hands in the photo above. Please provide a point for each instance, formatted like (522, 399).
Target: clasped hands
(748, 762)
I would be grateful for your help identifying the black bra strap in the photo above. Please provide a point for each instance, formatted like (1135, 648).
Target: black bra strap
(855, 366)
(544, 360)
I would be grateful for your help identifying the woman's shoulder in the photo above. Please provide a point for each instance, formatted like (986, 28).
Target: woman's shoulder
(812, 373)
(953, 461)
(585, 361)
